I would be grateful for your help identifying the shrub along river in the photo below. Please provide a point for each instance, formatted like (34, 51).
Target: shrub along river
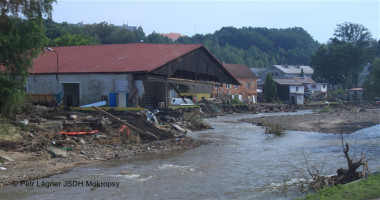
(240, 163)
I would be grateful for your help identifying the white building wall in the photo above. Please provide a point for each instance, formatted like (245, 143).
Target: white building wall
(319, 87)
(91, 86)
(299, 89)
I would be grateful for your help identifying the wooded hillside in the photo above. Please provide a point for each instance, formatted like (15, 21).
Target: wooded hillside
(255, 47)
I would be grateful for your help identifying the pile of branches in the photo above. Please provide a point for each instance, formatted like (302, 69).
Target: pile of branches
(343, 175)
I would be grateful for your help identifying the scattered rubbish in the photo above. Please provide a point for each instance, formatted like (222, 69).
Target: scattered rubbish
(181, 102)
(151, 115)
(58, 153)
(82, 141)
(123, 128)
(178, 128)
(80, 132)
(24, 122)
(3, 168)
(97, 104)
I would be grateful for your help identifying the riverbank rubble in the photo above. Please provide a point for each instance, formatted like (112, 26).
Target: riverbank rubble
(51, 140)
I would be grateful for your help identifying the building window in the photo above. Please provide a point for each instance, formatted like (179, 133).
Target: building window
(297, 89)
(236, 86)
(228, 86)
(248, 86)
(314, 86)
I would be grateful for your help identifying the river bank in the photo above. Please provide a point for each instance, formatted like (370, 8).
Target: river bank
(39, 143)
(41, 151)
(23, 166)
(335, 121)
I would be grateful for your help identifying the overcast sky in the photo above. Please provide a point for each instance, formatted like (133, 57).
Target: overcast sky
(319, 17)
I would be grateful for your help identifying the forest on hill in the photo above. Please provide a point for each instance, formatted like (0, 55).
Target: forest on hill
(255, 47)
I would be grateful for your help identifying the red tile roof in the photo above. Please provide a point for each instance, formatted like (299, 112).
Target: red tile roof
(172, 36)
(240, 71)
(110, 58)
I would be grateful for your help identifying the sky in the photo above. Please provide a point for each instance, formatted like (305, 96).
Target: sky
(318, 17)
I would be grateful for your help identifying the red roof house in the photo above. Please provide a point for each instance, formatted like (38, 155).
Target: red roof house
(247, 90)
(87, 74)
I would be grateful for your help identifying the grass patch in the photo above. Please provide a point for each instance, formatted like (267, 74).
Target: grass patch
(273, 128)
(368, 188)
(325, 109)
(183, 106)
(9, 132)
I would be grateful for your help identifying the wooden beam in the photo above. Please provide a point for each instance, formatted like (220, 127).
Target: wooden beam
(122, 122)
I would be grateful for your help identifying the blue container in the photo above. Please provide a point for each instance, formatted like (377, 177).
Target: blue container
(112, 100)
(127, 103)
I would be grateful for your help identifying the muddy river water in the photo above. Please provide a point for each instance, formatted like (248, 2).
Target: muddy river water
(240, 163)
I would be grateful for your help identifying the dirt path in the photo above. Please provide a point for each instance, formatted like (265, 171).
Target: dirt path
(331, 122)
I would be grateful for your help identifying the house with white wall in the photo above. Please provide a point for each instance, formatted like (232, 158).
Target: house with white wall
(290, 91)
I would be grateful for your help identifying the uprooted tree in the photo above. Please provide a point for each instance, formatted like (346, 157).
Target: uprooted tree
(22, 37)
(343, 175)
(314, 180)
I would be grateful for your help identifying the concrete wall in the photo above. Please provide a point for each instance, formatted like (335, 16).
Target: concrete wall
(91, 86)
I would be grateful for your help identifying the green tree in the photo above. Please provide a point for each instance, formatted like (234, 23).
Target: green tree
(342, 60)
(372, 82)
(157, 38)
(270, 89)
(72, 40)
(22, 38)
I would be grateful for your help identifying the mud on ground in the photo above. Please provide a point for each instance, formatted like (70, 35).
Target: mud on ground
(337, 121)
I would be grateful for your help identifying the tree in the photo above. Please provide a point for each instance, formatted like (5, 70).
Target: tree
(22, 38)
(72, 40)
(270, 89)
(158, 38)
(342, 60)
(372, 82)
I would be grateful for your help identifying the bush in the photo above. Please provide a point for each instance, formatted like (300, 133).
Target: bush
(274, 128)
(12, 95)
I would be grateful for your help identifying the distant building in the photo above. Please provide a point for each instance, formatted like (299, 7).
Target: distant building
(131, 28)
(247, 91)
(287, 71)
(311, 87)
(259, 73)
(355, 94)
(172, 36)
(290, 91)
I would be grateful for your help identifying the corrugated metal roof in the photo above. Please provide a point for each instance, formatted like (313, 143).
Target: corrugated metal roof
(110, 58)
(287, 81)
(304, 80)
(240, 71)
(293, 69)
